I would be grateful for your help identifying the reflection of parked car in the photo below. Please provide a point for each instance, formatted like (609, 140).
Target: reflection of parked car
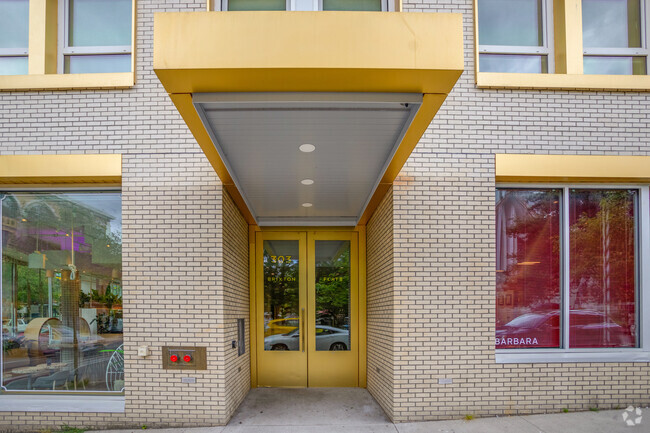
(280, 326)
(8, 326)
(588, 328)
(327, 338)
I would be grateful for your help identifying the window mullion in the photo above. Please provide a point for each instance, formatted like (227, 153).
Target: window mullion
(42, 36)
(643, 262)
(568, 36)
(566, 274)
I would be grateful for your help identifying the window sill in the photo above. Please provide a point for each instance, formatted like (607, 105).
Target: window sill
(61, 403)
(118, 80)
(494, 80)
(612, 355)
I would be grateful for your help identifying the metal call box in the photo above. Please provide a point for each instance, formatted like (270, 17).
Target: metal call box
(184, 358)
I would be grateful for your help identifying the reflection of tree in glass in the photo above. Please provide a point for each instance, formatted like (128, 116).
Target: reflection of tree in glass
(528, 259)
(280, 286)
(333, 290)
(603, 253)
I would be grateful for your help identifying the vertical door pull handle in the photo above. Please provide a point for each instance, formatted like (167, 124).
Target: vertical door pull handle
(302, 331)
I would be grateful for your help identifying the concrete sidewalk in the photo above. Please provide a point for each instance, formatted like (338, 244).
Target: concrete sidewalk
(348, 410)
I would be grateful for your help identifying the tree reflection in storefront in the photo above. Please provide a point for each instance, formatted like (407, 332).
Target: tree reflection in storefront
(58, 250)
(528, 263)
(602, 268)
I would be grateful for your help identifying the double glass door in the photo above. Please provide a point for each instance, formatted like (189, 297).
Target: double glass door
(307, 309)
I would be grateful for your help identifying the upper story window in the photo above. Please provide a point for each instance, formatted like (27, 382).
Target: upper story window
(304, 5)
(614, 37)
(43, 39)
(513, 36)
(14, 36)
(95, 37)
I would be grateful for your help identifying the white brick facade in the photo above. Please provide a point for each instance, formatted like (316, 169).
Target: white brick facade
(431, 248)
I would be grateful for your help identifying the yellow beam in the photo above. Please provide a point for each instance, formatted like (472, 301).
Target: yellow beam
(572, 168)
(569, 35)
(563, 81)
(113, 80)
(307, 51)
(42, 36)
(184, 106)
(430, 106)
(60, 169)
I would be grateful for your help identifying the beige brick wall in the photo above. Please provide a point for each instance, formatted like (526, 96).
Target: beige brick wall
(381, 300)
(236, 302)
(444, 250)
(175, 287)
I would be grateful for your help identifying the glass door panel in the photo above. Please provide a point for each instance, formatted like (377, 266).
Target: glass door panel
(306, 309)
(280, 308)
(281, 295)
(332, 295)
(332, 313)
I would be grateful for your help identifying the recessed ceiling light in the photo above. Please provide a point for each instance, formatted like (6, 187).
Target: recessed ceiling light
(307, 205)
(307, 182)
(307, 147)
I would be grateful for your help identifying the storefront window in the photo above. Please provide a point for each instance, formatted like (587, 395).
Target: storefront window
(62, 292)
(596, 306)
(528, 268)
(602, 268)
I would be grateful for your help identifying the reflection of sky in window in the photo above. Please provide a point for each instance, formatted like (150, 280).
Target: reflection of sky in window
(605, 24)
(510, 22)
(511, 63)
(14, 17)
(608, 65)
(107, 203)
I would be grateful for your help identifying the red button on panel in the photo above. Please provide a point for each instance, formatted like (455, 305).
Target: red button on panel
(173, 358)
(187, 358)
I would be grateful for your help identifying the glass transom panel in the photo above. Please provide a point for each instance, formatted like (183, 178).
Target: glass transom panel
(611, 23)
(511, 22)
(99, 23)
(14, 24)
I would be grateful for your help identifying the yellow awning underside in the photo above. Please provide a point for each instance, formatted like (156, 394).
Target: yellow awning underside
(380, 52)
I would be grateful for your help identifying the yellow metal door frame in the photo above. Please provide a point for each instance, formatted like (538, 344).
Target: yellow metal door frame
(282, 368)
(316, 360)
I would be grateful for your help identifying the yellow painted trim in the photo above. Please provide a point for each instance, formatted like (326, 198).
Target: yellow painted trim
(185, 107)
(567, 23)
(571, 168)
(563, 81)
(335, 52)
(42, 36)
(430, 106)
(60, 169)
(42, 57)
(252, 254)
(362, 312)
(114, 80)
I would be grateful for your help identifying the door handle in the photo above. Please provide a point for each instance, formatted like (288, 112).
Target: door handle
(302, 331)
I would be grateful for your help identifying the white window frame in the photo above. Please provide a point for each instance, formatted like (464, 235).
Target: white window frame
(512, 50)
(642, 237)
(65, 50)
(316, 5)
(627, 52)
